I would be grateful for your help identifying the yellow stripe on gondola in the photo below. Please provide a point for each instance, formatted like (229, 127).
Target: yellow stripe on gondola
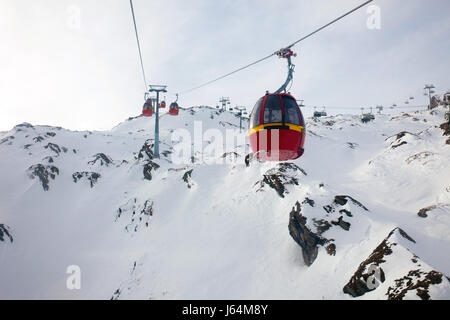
(263, 126)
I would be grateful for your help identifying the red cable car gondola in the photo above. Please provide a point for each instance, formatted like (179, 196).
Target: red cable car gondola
(174, 108)
(277, 127)
(147, 109)
(162, 105)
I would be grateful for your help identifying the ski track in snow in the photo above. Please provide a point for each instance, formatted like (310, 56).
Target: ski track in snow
(225, 237)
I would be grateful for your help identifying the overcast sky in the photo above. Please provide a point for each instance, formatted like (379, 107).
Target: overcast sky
(84, 73)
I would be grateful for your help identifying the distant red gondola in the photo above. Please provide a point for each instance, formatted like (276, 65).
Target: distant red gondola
(174, 109)
(147, 109)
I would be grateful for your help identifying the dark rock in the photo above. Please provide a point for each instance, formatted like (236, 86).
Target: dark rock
(322, 225)
(415, 280)
(309, 201)
(232, 155)
(91, 176)
(346, 212)
(117, 293)
(305, 238)
(44, 173)
(331, 249)
(343, 200)
(7, 139)
(281, 176)
(275, 182)
(249, 158)
(446, 128)
(402, 134)
(124, 162)
(399, 144)
(102, 158)
(5, 234)
(343, 224)
(166, 153)
(286, 166)
(139, 214)
(187, 177)
(24, 125)
(50, 134)
(146, 151)
(148, 208)
(38, 139)
(54, 147)
(419, 156)
(357, 286)
(403, 234)
(328, 209)
(48, 159)
(148, 168)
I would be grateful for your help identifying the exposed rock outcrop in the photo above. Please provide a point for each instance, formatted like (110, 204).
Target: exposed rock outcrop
(415, 280)
(421, 156)
(138, 213)
(146, 151)
(53, 147)
(44, 173)
(377, 269)
(187, 177)
(423, 212)
(358, 284)
(101, 158)
(283, 175)
(91, 176)
(5, 234)
(7, 140)
(38, 139)
(343, 224)
(310, 235)
(343, 200)
(306, 239)
(446, 128)
(148, 168)
(401, 139)
(24, 125)
(146, 154)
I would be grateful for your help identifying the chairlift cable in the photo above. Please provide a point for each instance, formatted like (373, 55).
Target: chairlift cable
(138, 44)
(330, 23)
(275, 53)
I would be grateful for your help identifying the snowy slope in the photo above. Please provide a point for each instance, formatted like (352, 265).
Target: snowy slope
(148, 228)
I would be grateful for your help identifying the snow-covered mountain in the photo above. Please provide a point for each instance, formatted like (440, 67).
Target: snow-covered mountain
(364, 214)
